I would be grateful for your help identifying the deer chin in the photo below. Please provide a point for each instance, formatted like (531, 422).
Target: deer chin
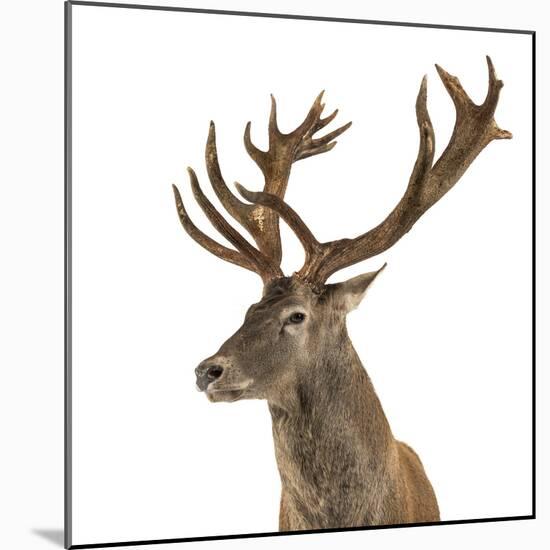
(216, 393)
(224, 396)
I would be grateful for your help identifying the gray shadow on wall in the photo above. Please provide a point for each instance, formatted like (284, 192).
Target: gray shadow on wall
(55, 536)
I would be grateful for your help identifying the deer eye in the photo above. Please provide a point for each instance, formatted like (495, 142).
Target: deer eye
(296, 317)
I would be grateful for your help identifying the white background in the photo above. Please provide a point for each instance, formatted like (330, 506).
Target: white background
(33, 332)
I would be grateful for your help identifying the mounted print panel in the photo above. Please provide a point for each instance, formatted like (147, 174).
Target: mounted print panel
(263, 302)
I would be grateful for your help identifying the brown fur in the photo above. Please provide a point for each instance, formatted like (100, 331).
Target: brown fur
(339, 463)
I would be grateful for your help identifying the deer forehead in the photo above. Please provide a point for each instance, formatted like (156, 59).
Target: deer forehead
(281, 305)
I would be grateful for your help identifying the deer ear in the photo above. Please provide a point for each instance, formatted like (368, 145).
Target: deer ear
(350, 293)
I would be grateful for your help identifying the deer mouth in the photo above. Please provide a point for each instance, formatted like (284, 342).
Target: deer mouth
(228, 396)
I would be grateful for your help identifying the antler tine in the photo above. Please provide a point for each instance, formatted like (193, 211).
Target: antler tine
(313, 116)
(425, 156)
(272, 127)
(231, 203)
(205, 241)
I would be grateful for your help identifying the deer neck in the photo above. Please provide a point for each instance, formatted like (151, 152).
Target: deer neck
(330, 433)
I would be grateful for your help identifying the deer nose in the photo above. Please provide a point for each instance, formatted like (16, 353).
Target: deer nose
(207, 372)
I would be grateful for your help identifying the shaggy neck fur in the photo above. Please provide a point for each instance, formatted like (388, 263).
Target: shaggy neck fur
(333, 444)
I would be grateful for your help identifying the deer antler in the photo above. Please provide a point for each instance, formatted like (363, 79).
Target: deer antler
(275, 164)
(475, 128)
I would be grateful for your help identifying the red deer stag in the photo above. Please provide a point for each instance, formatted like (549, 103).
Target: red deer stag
(339, 462)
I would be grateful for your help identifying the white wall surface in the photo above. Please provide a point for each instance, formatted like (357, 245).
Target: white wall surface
(423, 265)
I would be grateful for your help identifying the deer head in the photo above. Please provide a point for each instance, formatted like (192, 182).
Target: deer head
(300, 319)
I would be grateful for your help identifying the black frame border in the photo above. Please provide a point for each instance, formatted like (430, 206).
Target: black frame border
(68, 269)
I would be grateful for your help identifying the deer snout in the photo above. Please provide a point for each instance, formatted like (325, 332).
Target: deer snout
(207, 372)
